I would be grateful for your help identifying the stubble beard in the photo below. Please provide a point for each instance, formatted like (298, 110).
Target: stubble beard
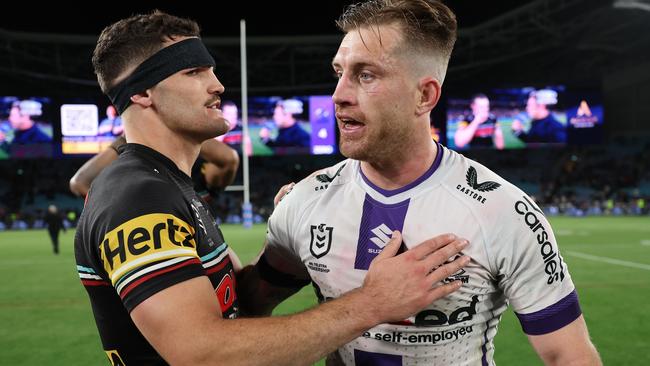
(384, 146)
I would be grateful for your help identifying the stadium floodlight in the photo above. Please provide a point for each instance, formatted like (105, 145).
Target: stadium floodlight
(632, 4)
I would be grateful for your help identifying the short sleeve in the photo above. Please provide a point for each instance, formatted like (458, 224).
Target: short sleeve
(532, 273)
(281, 263)
(150, 241)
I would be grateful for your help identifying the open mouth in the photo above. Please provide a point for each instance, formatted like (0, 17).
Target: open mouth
(352, 125)
(349, 124)
(214, 104)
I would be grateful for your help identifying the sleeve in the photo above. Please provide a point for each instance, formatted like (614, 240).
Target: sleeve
(150, 243)
(280, 263)
(531, 271)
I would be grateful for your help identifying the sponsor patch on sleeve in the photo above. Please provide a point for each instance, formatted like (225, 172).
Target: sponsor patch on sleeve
(144, 240)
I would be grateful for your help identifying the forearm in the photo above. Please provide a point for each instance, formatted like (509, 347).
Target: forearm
(223, 162)
(219, 177)
(569, 345)
(464, 136)
(300, 339)
(198, 335)
(588, 356)
(499, 141)
(80, 182)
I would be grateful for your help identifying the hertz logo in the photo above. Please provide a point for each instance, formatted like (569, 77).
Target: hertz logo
(146, 239)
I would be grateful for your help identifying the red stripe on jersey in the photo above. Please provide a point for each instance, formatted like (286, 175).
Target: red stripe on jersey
(219, 266)
(157, 273)
(94, 283)
(484, 131)
(402, 322)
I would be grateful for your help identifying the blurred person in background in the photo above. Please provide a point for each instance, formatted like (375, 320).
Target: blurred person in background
(25, 129)
(290, 134)
(112, 124)
(235, 135)
(54, 223)
(480, 128)
(544, 127)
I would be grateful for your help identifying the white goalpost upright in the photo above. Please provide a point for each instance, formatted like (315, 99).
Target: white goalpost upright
(247, 207)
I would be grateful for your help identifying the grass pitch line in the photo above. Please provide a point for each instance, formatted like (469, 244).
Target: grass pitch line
(609, 260)
(645, 242)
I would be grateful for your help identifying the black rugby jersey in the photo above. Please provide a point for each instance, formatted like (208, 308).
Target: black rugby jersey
(484, 134)
(143, 229)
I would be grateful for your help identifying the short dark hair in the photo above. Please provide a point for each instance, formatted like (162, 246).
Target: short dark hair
(130, 41)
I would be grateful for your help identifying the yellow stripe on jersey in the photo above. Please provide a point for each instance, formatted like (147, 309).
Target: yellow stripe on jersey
(143, 240)
(114, 358)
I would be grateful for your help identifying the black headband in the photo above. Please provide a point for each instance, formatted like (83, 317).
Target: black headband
(182, 55)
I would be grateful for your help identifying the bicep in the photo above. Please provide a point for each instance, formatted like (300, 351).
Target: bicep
(173, 319)
(80, 182)
(219, 154)
(569, 345)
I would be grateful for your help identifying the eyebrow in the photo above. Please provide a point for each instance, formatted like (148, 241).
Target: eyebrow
(356, 66)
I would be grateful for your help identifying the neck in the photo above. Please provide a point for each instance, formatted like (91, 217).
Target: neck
(398, 171)
(155, 135)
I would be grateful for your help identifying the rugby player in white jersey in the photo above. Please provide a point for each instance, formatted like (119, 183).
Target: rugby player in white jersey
(159, 275)
(390, 67)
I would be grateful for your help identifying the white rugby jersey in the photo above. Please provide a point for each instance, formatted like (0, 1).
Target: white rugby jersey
(332, 225)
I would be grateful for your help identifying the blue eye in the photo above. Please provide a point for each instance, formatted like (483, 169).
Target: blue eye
(364, 76)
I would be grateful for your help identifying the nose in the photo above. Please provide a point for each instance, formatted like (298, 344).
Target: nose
(343, 94)
(215, 86)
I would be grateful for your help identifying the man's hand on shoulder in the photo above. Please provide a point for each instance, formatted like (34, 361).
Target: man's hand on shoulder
(284, 190)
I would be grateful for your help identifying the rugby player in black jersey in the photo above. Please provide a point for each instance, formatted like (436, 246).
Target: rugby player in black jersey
(158, 273)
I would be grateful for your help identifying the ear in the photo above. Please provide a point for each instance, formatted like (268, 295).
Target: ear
(142, 99)
(428, 95)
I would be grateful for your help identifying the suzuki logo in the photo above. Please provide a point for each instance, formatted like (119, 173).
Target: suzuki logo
(382, 237)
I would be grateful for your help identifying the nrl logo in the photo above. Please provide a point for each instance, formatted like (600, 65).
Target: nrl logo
(472, 181)
(321, 240)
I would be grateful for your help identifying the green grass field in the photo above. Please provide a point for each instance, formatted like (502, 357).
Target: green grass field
(45, 317)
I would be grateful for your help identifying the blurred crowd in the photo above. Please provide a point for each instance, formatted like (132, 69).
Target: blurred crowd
(611, 179)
